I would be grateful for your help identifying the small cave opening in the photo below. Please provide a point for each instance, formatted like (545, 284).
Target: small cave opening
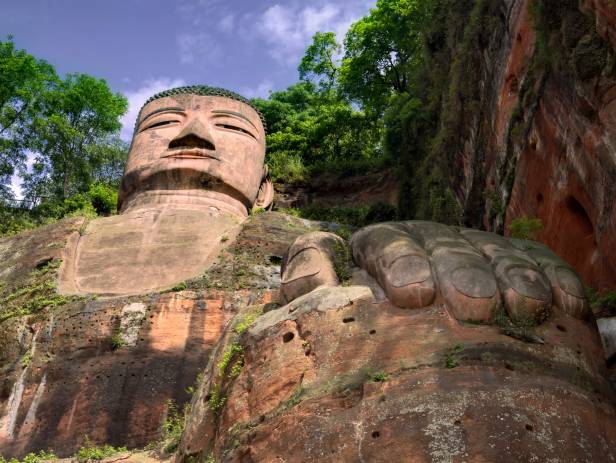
(575, 240)
(581, 220)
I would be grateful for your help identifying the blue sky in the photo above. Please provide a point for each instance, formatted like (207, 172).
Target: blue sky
(143, 46)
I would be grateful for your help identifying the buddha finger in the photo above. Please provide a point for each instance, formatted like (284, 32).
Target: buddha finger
(397, 261)
(466, 280)
(525, 288)
(308, 264)
(567, 288)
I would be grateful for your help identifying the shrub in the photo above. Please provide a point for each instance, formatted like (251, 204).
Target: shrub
(91, 452)
(379, 377)
(173, 426)
(603, 303)
(103, 197)
(39, 457)
(179, 287)
(525, 228)
(286, 166)
(117, 342)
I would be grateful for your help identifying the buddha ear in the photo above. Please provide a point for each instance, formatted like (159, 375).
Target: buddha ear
(265, 197)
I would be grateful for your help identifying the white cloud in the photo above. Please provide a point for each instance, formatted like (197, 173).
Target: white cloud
(288, 29)
(260, 91)
(137, 97)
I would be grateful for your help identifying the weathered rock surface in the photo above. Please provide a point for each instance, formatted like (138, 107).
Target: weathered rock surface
(341, 191)
(106, 368)
(124, 254)
(543, 142)
(334, 376)
(339, 374)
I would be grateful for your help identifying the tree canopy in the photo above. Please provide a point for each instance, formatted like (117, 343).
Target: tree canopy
(70, 136)
(375, 101)
(383, 52)
(67, 128)
(23, 80)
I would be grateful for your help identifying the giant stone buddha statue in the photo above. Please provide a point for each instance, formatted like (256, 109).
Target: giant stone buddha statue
(195, 169)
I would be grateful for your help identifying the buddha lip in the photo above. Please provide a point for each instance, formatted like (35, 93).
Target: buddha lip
(193, 153)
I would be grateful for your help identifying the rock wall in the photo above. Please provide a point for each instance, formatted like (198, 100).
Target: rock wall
(341, 191)
(108, 367)
(335, 376)
(543, 143)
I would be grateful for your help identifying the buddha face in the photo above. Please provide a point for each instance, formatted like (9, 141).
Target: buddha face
(193, 143)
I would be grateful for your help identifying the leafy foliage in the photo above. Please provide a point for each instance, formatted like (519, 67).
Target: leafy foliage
(383, 52)
(603, 303)
(39, 457)
(78, 115)
(311, 130)
(68, 129)
(319, 62)
(23, 79)
(173, 426)
(525, 228)
(90, 452)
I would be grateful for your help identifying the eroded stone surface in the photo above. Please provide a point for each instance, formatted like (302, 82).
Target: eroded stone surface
(145, 250)
(107, 367)
(373, 382)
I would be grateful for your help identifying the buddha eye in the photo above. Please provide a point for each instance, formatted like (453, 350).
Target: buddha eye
(237, 129)
(160, 124)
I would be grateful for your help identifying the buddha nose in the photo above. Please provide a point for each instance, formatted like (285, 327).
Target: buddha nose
(194, 135)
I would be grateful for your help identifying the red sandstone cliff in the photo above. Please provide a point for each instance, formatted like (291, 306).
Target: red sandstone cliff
(544, 141)
(106, 368)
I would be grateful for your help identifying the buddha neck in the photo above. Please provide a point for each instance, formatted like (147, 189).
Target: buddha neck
(210, 201)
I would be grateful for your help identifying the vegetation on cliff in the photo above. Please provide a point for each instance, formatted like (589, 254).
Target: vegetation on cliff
(391, 81)
(60, 136)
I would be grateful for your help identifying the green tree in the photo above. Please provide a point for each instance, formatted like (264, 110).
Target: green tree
(313, 129)
(525, 228)
(108, 159)
(319, 63)
(383, 51)
(23, 81)
(79, 114)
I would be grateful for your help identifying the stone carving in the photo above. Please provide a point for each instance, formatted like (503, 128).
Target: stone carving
(194, 170)
(197, 146)
(309, 263)
(353, 375)
(343, 367)
(474, 272)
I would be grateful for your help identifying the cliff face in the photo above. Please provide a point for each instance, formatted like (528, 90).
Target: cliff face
(107, 368)
(543, 142)
(335, 376)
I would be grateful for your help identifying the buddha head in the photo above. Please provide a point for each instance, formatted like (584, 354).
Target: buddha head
(198, 146)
